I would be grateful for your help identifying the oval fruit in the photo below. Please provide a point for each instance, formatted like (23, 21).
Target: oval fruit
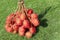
(30, 11)
(28, 34)
(26, 24)
(32, 30)
(21, 31)
(35, 22)
(23, 17)
(34, 16)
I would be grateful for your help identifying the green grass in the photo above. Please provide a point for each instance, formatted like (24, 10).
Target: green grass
(49, 30)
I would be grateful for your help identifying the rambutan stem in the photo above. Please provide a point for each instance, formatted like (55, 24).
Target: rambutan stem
(19, 6)
(20, 3)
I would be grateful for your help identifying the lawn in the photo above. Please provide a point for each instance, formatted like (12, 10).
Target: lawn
(49, 16)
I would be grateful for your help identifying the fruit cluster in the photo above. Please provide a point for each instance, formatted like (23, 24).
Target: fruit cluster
(24, 23)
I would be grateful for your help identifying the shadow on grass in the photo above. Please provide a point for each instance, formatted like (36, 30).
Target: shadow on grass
(43, 22)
